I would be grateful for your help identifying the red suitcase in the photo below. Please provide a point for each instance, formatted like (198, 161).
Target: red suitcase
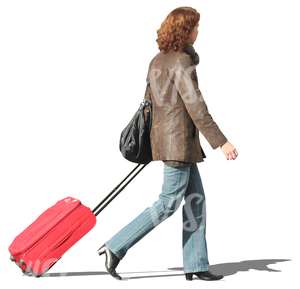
(36, 249)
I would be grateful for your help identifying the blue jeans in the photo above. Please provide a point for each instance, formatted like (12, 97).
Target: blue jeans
(181, 182)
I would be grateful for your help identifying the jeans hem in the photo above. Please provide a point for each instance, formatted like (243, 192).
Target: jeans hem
(198, 269)
(115, 252)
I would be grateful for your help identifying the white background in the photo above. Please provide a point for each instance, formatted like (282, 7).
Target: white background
(72, 73)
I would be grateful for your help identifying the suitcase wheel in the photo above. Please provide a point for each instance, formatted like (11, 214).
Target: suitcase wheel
(21, 263)
(36, 275)
(25, 269)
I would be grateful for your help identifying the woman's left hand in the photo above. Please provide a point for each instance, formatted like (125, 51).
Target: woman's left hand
(229, 150)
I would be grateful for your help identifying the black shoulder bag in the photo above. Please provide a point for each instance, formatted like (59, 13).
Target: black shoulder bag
(134, 142)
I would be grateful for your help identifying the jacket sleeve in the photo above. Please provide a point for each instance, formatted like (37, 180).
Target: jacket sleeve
(148, 88)
(186, 83)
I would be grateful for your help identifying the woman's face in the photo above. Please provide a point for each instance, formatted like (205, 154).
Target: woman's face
(194, 33)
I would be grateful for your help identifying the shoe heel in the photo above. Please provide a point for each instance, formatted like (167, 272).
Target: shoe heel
(101, 250)
(189, 276)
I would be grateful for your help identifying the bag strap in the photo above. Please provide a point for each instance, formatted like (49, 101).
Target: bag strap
(110, 196)
(147, 102)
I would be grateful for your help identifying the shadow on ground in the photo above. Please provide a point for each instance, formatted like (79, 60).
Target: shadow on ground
(225, 269)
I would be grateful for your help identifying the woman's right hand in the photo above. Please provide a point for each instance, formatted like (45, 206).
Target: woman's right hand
(229, 150)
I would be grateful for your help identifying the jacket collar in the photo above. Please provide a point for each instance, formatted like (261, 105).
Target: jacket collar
(189, 49)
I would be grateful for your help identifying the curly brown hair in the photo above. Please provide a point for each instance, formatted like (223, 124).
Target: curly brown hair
(176, 28)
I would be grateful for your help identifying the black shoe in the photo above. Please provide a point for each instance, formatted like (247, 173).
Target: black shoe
(111, 261)
(203, 275)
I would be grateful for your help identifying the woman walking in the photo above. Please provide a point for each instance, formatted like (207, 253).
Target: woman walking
(179, 112)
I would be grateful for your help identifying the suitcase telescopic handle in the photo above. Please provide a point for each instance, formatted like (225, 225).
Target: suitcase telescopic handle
(111, 195)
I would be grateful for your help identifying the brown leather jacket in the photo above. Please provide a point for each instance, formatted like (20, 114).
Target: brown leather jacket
(179, 111)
